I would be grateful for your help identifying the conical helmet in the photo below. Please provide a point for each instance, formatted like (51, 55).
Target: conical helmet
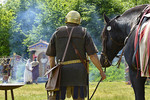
(73, 17)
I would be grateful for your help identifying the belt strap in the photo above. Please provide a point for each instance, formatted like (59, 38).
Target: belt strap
(70, 62)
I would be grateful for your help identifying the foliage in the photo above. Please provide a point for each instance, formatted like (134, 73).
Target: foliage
(24, 22)
(22, 27)
(5, 17)
(116, 74)
(112, 73)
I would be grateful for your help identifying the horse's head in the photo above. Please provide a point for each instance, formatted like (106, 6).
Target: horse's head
(115, 32)
(112, 40)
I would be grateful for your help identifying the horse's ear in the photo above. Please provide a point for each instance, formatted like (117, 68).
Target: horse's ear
(106, 19)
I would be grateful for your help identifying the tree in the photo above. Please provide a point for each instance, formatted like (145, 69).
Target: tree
(5, 17)
(23, 26)
(28, 21)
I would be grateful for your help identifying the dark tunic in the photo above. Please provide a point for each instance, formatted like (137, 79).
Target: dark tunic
(35, 71)
(72, 74)
(6, 67)
(6, 70)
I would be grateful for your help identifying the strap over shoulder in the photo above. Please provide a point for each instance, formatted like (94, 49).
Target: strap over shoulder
(85, 31)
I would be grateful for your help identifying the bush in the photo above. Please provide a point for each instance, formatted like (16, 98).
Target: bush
(112, 73)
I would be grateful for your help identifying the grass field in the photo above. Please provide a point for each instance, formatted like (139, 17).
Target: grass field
(105, 91)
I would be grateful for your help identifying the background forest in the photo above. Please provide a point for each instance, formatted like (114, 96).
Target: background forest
(25, 22)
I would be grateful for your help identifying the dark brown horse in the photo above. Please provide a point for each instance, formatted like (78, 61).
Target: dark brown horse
(114, 34)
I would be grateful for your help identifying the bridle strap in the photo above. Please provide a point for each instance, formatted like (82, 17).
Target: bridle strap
(119, 61)
(119, 44)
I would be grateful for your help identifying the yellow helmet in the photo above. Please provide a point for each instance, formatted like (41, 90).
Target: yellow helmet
(73, 17)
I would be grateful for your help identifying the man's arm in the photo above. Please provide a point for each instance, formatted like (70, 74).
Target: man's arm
(96, 62)
(51, 61)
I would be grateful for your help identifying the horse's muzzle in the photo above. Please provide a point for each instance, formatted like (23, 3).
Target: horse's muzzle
(104, 61)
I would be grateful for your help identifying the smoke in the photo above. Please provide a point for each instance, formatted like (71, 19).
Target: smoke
(25, 30)
(18, 67)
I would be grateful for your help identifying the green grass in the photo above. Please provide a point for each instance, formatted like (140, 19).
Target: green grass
(113, 91)
(105, 91)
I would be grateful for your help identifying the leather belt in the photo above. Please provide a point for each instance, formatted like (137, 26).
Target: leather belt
(71, 62)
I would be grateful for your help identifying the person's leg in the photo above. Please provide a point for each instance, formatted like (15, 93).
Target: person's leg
(36, 81)
(5, 79)
(51, 96)
(79, 98)
(57, 95)
(79, 92)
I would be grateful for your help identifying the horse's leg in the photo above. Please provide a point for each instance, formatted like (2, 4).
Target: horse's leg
(138, 84)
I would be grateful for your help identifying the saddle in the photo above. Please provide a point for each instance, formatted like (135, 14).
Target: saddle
(142, 45)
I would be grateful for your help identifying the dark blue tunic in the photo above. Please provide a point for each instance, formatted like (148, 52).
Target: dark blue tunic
(35, 71)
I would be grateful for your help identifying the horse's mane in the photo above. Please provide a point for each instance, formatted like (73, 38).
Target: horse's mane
(103, 35)
(134, 9)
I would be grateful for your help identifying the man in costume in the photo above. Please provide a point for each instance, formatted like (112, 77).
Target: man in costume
(6, 69)
(74, 75)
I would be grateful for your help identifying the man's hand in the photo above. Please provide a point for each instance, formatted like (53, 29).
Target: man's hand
(96, 62)
(103, 75)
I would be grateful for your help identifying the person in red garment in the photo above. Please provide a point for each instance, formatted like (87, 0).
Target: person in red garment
(6, 69)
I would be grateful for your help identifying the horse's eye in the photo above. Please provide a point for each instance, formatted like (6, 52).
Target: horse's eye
(108, 28)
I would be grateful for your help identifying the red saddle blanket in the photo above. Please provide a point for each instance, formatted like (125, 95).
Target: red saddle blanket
(143, 52)
(144, 49)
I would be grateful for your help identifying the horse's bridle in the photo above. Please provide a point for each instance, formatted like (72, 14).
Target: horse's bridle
(107, 61)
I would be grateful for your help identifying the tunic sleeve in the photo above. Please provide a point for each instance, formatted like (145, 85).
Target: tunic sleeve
(89, 45)
(51, 50)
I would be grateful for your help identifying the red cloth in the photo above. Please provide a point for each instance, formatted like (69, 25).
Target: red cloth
(136, 36)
